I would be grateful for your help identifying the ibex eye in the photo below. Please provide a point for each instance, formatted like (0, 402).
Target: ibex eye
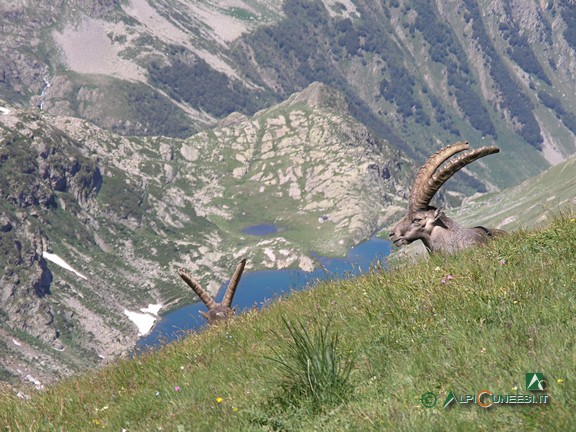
(416, 220)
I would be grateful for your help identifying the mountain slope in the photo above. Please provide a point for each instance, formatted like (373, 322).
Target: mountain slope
(127, 212)
(141, 136)
(530, 204)
(420, 74)
(509, 306)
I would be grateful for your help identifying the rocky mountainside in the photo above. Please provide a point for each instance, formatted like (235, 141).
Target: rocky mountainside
(137, 137)
(420, 74)
(126, 212)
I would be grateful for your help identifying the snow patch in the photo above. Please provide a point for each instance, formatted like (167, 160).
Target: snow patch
(4, 110)
(59, 261)
(152, 308)
(144, 321)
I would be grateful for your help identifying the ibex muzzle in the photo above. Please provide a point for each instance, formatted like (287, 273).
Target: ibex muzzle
(424, 222)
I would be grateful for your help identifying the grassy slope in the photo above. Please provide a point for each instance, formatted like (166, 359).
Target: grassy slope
(526, 205)
(508, 309)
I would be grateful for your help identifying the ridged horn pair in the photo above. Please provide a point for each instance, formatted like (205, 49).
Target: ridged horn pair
(216, 311)
(428, 181)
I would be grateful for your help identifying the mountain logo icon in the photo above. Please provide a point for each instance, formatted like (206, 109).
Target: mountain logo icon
(535, 381)
(449, 399)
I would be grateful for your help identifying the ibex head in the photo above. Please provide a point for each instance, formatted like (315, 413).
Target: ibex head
(216, 311)
(427, 223)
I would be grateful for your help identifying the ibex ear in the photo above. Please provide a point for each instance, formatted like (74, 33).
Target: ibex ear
(437, 214)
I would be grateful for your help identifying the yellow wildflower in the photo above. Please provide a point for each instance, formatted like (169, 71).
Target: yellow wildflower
(219, 400)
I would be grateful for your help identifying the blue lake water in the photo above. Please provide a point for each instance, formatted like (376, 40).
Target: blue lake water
(260, 230)
(257, 289)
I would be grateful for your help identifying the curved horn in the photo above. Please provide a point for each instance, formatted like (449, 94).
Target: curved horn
(197, 288)
(227, 301)
(427, 184)
(418, 198)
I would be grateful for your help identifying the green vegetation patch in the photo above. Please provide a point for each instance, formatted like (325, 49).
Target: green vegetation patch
(118, 194)
(481, 319)
(204, 88)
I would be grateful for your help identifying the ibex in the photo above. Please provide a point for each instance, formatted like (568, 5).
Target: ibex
(423, 222)
(216, 311)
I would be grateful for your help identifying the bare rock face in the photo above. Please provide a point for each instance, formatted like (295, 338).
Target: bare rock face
(5, 224)
(33, 175)
(39, 168)
(22, 298)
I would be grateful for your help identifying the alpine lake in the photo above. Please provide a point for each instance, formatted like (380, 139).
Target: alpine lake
(260, 288)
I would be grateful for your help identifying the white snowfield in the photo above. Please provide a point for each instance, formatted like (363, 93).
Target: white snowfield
(4, 110)
(152, 308)
(146, 320)
(59, 261)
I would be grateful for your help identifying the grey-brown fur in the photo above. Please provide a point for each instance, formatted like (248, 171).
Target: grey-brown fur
(424, 222)
(216, 311)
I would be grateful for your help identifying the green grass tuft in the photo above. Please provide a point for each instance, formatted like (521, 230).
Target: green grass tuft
(315, 371)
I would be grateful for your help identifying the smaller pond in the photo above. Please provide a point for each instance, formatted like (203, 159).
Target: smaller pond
(258, 289)
(260, 230)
